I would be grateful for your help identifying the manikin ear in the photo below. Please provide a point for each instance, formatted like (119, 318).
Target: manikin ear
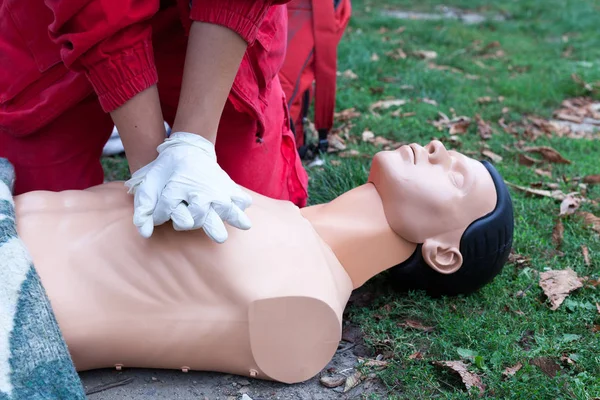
(442, 257)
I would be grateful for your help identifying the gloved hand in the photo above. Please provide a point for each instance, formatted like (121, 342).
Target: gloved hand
(185, 184)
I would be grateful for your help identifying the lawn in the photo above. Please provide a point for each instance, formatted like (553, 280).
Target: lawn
(510, 73)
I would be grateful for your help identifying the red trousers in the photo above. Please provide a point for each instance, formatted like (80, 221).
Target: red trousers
(65, 153)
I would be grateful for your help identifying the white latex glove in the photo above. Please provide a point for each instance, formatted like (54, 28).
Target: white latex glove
(185, 184)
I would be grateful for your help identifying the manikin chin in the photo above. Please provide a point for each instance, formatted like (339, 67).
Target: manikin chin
(268, 303)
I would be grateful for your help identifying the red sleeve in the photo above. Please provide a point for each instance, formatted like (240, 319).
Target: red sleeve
(241, 16)
(110, 41)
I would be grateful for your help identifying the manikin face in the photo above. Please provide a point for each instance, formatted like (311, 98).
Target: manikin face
(431, 195)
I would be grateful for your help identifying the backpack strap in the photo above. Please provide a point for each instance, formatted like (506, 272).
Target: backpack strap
(325, 57)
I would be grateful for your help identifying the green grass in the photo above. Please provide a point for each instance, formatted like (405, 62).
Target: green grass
(534, 77)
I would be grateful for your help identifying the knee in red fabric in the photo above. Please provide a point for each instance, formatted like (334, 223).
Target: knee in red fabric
(65, 154)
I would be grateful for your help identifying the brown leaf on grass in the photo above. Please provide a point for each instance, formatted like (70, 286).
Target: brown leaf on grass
(457, 125)
(385, 104)
(429, 101)
(586, 254)
(543, 172)
(510, 371)
(524, 159)
(346, 115)
(418, 325)
(417, 355)
(507, 128)
(569, 205)
(389, 79)
(444, 68)
(557, 233)
(350, 153)
(368, 136)
(425, 54)
(492, 156)
(376, 365)
(592, 179)
(554, 194)
(585, 85)
(336, 143)
(518, 259)
(374, 57)
(332, 381)
(557, 284)
(349, 74)
(483, 128)
(547, 365)
(595, 328)
(548, 153)
(381, 141)
(598, 307)
(468, 378)
(353, 380)
(400, 114)
(397, 54)
(590, 220)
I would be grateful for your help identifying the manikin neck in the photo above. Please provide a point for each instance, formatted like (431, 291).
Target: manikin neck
(355, 227)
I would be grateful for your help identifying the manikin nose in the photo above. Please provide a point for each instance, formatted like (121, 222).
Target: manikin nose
(438, 153)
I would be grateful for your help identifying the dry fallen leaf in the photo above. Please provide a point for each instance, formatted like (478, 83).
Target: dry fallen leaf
(543, 172)
(377, 365)
(547, 365)
(484, 129)
(336, 143)
(332, 381)
(586, 254)
(385, 104)
(598, 307)
(554, 194)
(557, 233)
(524, 159)
(590, 220)
(350, 153)
(346, 115)
(397, 54)
(429, 101)
(426, 54)
(484, 100)
(367, 136)
(417, 355)
(569, 205)
(549, 154)
(557, 284)
(374, 57)
(353, 380)
(510, 371)
(592, 179)
(492, 156)
(349, 74)
(414, 324)
(468, 378)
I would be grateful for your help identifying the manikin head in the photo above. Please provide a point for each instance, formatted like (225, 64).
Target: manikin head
(456, 209)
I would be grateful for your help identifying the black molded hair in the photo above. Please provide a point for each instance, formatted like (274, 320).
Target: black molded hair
(485, 246)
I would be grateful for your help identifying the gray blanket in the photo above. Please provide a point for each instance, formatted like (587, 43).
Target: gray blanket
(34, 360)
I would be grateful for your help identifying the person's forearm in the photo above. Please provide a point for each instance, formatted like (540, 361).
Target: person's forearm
(213, 58)
(141, 127)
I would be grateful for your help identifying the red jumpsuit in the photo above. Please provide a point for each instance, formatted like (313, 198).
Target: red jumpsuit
(65, 64)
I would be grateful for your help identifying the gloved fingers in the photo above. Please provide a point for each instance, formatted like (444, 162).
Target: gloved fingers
(241, 198)
(198, 209)
(145, 227)
(167, 202)
(237, 218)
(182, 218)
(214, 227)
(147, 195)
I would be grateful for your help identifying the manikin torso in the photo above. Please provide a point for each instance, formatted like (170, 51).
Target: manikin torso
(266, 303)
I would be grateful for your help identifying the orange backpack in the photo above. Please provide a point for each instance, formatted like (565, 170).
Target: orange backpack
(315, 27)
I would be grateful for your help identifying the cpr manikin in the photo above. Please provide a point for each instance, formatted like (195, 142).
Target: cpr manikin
(267, 303)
